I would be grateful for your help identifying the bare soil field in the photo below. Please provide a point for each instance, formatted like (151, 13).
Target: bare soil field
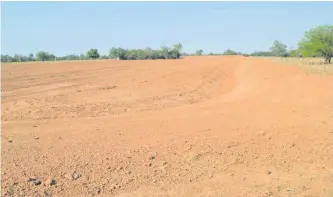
(198, 126)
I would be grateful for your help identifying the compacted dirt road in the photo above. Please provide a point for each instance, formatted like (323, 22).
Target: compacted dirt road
(199, 126)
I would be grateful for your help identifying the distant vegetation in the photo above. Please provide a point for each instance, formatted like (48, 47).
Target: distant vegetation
(143, 54)
(317, 42)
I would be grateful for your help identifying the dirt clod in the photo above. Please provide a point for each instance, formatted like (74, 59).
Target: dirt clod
(34, 181)
(152, 155)
(50, 181)
(76, 176)
(268, 172)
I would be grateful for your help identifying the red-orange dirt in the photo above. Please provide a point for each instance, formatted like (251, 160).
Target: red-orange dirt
(199, 126)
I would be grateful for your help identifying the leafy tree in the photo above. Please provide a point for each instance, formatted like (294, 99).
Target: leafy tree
(318, 40)
(230, 52)
(164, 53)
(278, 48)
(122, 53)
(155, 54)
(141, 54)
(93, 54)
(178, 47)
(149, 53)
(175, 53)
(199, 52)
(133, 54)
(113, 53)
(42, 56)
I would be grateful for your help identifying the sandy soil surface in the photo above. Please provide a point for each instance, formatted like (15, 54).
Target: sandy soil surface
(199, 126)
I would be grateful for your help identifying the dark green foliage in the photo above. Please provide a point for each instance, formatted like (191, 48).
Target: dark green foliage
(92, 54)
(148, 53)
(44, 56)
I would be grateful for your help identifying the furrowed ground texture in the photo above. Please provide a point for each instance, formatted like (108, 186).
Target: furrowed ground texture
(198, 126)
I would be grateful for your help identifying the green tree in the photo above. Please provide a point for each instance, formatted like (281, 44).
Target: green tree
(318, 40)
(141, 54)
(164, 53)
(175, 52)
(148, 53)
(278, 48)
(92, 54)
(122, 53)
(199, 52)
(178, 47)
(113, 53)
(132, 54)
(42, 56)
(154, 55)
(230, 52)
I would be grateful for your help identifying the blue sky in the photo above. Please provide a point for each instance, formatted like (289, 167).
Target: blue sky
(74, 27)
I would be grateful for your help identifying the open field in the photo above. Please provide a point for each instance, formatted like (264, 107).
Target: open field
(199, 126)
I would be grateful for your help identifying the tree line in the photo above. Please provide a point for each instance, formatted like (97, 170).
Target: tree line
(317, 42)
(164, 52)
